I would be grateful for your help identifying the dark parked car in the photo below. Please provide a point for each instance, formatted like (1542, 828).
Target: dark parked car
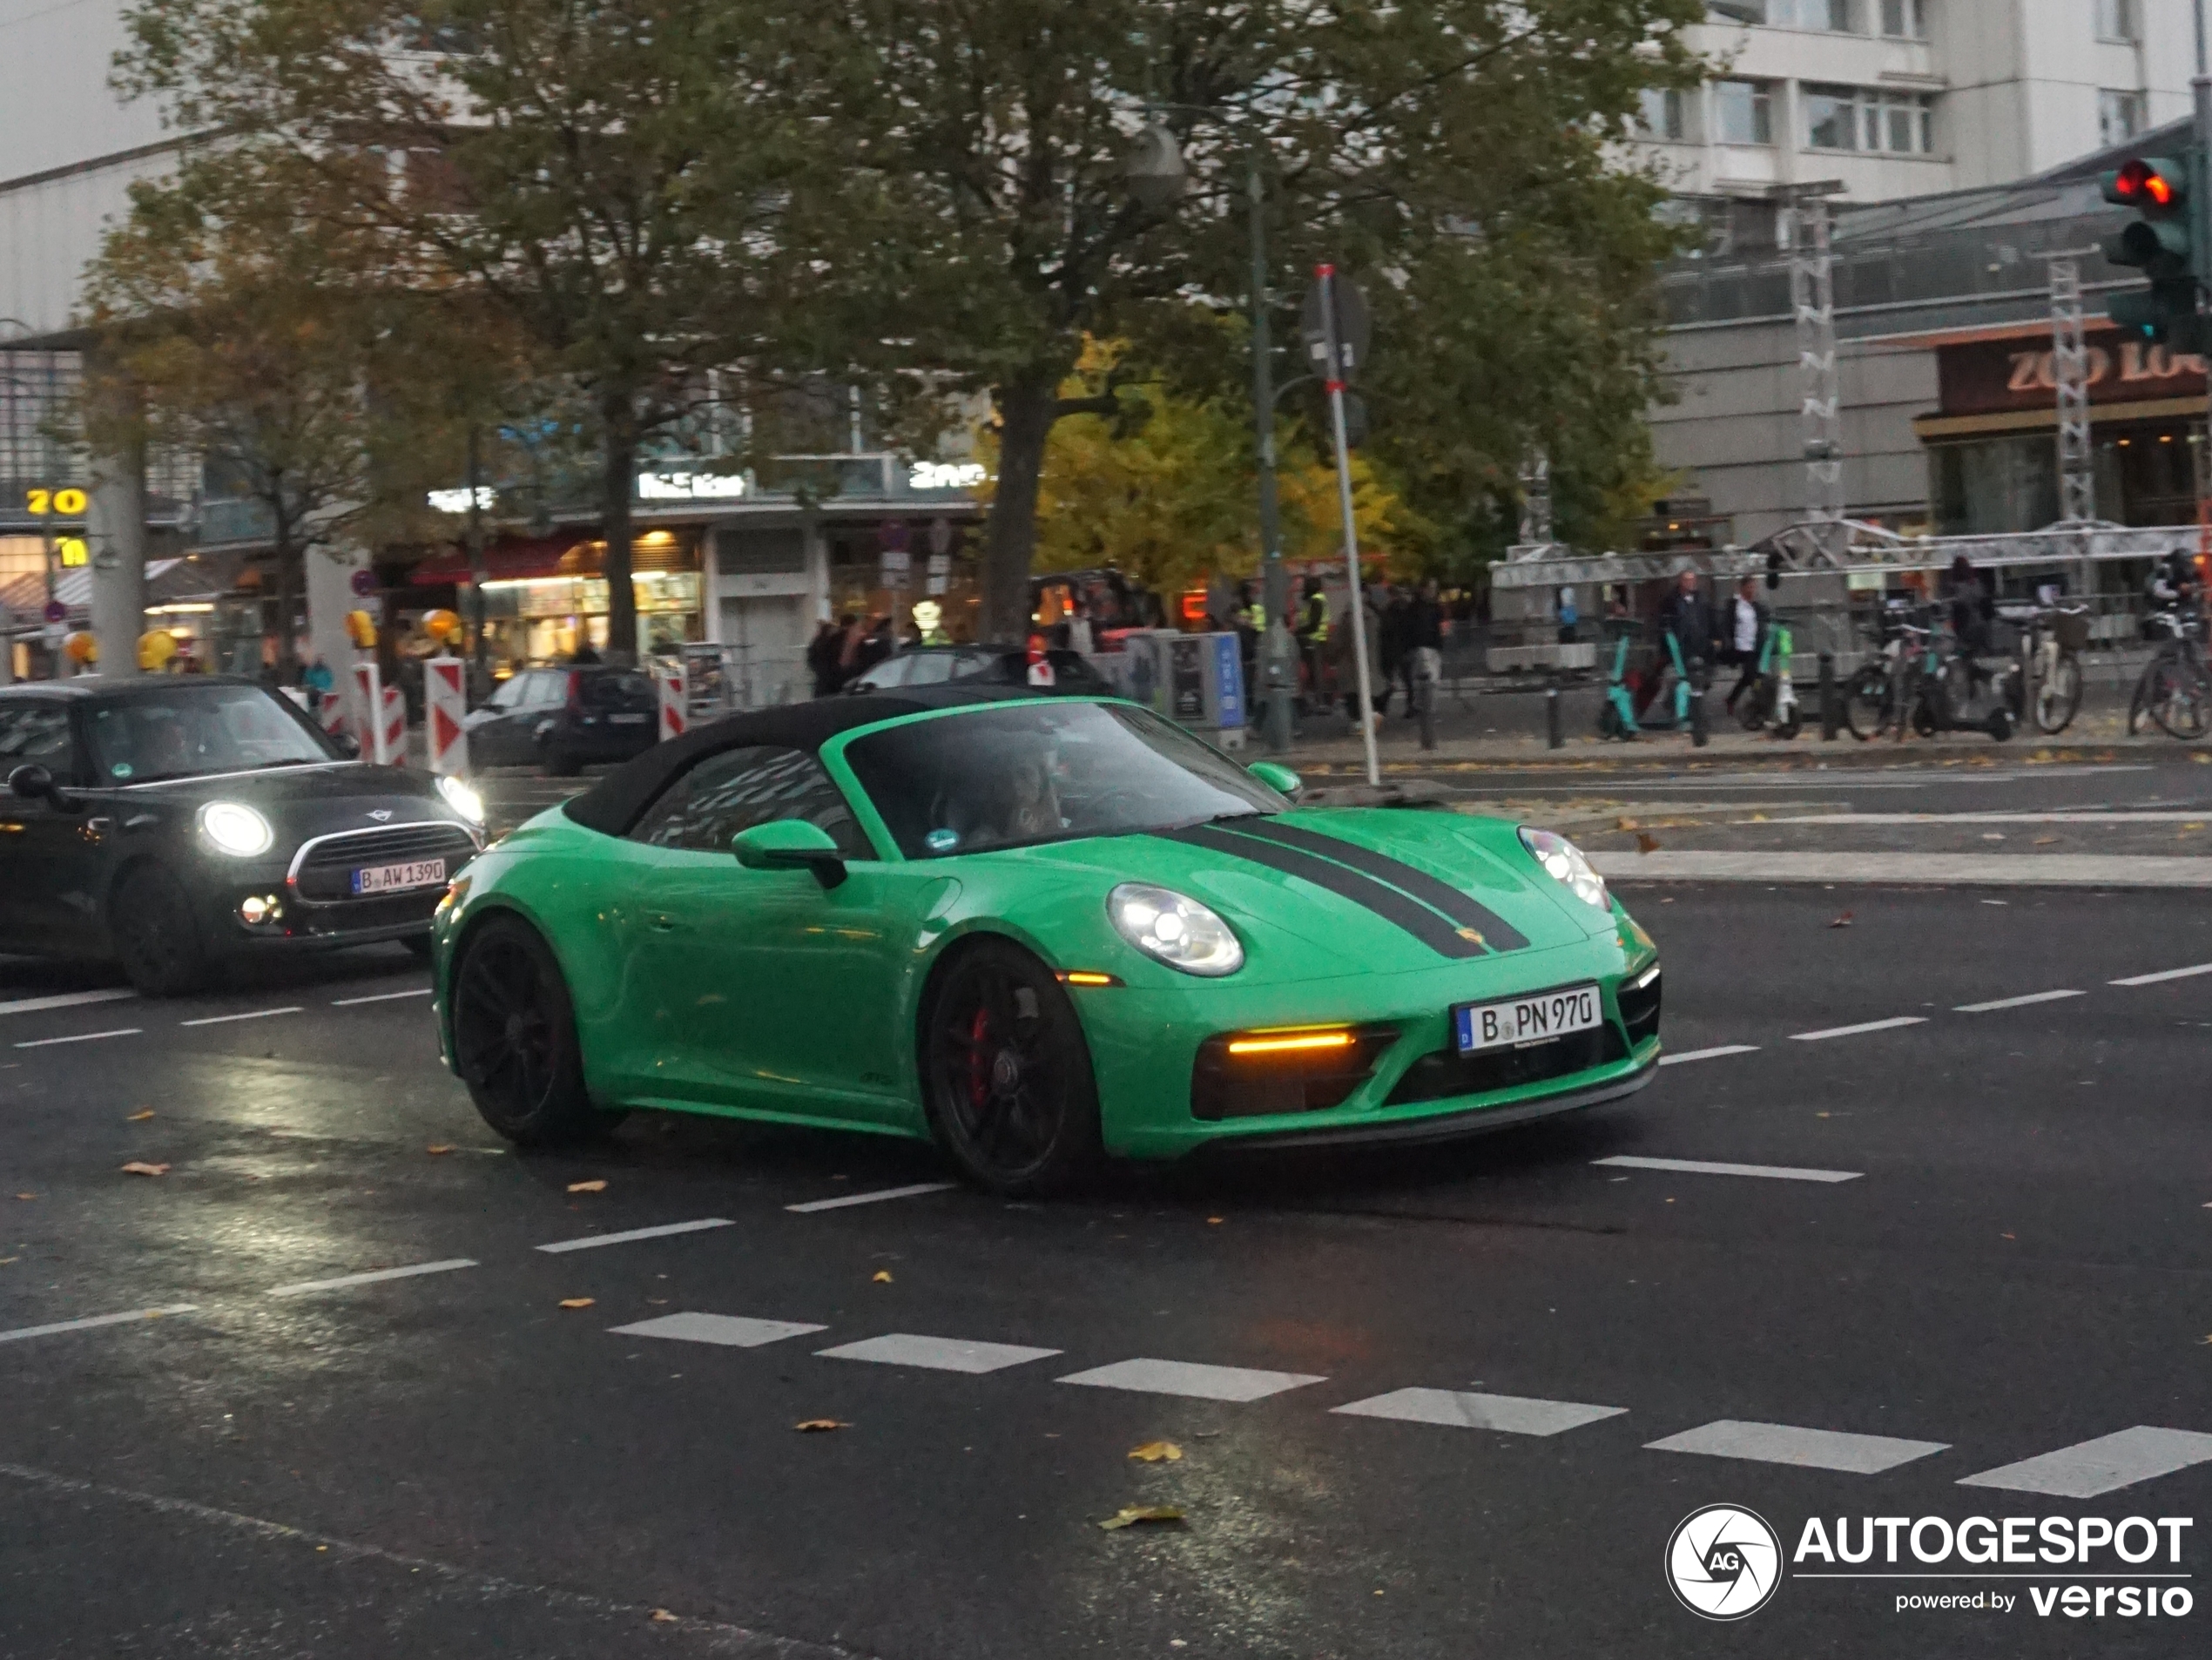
(982, 665)
(566, 719)
(177, 823)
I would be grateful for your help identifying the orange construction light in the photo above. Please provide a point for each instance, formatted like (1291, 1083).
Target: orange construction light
(1290, 1042)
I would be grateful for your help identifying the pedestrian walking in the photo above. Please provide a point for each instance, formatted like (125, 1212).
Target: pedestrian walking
(822, 656)
(1745, 633)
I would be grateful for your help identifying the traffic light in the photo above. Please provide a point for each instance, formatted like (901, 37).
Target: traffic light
(2162, 244)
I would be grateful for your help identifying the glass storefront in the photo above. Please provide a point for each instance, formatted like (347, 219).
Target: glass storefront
(2146, 474)
(547, 619)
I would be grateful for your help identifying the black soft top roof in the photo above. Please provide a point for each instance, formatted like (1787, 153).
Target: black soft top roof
(613, 804)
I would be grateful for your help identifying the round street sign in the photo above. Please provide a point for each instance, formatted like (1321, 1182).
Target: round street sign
(363, 581)
(56, 611)
(1352, 327)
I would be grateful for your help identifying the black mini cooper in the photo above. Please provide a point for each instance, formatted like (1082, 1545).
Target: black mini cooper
(178, 823)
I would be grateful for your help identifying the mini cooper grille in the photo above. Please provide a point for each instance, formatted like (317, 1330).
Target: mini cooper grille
(1249, 1086)
(1640, 1009)
(1449, 1073)
(325, 870)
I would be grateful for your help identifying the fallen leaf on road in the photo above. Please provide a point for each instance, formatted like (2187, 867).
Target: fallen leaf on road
(588, 1187)
(4, 1261)
(1820, 1115)
(1843, 922)
(140, 1118)
(1646, 842)
(1623, 824)
(2200, 759)
(883, 1275)
(2045, 841)
(1130, 1515)
(26, 1196)
(661, 1614)
(2012, 1235)
(1213, 1221)
(816, 1426)
(1757, 818)
(1154, 1451)
(442, 1147)
(138, 1168)
(576, 1302)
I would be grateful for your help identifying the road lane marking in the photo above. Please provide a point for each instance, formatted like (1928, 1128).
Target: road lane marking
(83, 1038)
(1709, 1054)
(1889, 1025)
(251, 1014)
(1701, 1167)
(2159, 816)
(63, 999)
(382, 997)
(730, 1331)
(1187, 1378)
(593, 1240)
(302, 1287)
(2101, 1465)
(2016, 1002)
(2132, 871)
(92, 1322)
(1814, 1449)
(938, 1353)
(2166, 975)
(1513, 1414)
(876, 1198)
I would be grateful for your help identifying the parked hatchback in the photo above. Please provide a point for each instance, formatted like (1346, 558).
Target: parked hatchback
(565, 719)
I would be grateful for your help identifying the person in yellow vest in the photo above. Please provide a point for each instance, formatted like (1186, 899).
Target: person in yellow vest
(1313, 632)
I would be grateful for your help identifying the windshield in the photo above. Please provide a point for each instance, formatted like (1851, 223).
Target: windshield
(1010, 777)
(197, 730)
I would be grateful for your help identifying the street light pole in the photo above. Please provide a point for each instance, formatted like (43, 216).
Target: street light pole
(1277, 654)
(2200, 214)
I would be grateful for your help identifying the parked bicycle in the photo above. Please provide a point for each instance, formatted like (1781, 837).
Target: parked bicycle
(2174, 687)
(2052, 641)
(1923, 681)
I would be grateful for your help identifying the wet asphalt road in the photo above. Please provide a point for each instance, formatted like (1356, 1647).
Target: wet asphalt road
(1996, 1245)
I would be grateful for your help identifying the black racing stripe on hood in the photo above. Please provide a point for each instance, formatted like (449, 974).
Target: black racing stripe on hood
(1388, 903)
(1497, 933)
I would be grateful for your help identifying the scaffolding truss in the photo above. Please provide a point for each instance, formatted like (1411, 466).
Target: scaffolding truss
(2070, 368)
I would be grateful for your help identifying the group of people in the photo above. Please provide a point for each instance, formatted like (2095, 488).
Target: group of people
(1400, 623)
(843, 651)
(1732, 637)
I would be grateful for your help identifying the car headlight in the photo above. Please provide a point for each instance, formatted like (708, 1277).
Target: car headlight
(462, 799)
(1179, 932)
(234, 828)
(1564, 863)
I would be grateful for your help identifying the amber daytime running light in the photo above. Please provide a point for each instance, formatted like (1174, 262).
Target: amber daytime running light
(1290, 1042)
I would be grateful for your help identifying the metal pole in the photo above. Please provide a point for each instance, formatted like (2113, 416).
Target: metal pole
(2200, 213)
(477, 571)
(1328, 275)
(1277, 650)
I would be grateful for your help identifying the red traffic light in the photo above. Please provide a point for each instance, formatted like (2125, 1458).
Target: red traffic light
(2149, 184)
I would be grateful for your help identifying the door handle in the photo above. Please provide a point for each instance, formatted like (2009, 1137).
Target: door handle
(663, 922)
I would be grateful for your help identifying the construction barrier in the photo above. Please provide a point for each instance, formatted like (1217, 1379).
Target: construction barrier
(445, 700)
(675, 712)
(383, 716)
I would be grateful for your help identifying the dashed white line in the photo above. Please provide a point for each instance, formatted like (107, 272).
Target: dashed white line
(63, 999)
(1714, 1054)
(382, 997)
(876, 1198)
(937, 1353)
(2166, 975)
(728, 1330)
(2104, 1465)
(1889, 1025)
(1513, 1414)
(82, 1037)
(302, 1287)
(1187, 1378)
(93, 1321)
(592, 1241)
(1816, 1449)
(251, 1014)
(2016, 1002)
(1702, 1167)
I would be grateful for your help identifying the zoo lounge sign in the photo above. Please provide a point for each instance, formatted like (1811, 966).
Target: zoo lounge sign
(1992, 377)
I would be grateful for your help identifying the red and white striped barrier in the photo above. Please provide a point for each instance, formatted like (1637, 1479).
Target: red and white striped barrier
(392, 730)
(675, 711)
(445, 700)
(382, 715)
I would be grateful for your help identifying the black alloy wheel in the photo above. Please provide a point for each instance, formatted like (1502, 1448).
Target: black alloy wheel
(1007, 1075)
(514, 1038)
(157, 938)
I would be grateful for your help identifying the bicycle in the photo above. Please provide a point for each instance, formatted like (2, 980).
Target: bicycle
(2052, 638)
(2175, 685)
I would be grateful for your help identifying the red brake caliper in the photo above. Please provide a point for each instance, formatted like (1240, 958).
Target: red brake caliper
(979, 1065)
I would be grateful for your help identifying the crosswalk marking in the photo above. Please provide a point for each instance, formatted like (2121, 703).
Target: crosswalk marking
(1191, 1379)
(937, 1353)
(302, 1287)
(92, 1322)
(1889, 1025)
(2016, 1002)
(1714, 1054)
(63, 999)
(2104, 1465)
(843, 1200)
(1513, 1414)
(82, 1037)
(730, 1331)
(592, 1241)
(2166, 975)
(1817, 1449)
(1704, 1167)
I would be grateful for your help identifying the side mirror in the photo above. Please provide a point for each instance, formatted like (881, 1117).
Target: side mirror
(348, 746)
(1277, 777)
(32, 782)
(789, 844)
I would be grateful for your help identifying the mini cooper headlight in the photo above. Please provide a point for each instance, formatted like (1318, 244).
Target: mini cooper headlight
(462, 799)
(234, 828)
(1180, 932)
(1564, 863)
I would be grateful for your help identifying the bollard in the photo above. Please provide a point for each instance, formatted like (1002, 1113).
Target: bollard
(1553, 736)
(1828, 718)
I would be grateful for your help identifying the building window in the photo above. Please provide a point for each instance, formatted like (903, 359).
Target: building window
(1851, 117)
(1662, 115)
(1905, 19)
(1745, 110)
(2120, 117)
(1836, 17)
(2117, 20)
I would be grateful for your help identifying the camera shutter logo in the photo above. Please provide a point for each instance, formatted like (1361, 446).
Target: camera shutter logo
(1723, 1563)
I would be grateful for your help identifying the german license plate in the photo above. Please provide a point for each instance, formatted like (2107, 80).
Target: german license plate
(393, 879)
(1525, 1020)
(625, 721)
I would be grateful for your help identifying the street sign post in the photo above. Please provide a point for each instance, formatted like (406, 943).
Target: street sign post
(1334, 302)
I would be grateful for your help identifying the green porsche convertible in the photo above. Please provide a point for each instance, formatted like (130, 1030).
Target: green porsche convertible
(1038, 930)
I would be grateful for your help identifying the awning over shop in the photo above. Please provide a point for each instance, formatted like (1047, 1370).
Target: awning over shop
(169, 582)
